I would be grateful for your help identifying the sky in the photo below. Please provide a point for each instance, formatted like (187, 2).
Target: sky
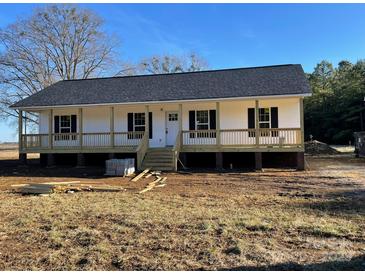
(226, 35)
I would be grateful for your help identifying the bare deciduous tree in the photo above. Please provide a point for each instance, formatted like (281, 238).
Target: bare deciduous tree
(165, 64)
(58, 42)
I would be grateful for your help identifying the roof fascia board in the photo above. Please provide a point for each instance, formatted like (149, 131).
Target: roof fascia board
(246, 98)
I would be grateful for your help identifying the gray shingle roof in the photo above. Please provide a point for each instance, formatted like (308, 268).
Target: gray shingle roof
(228, 83)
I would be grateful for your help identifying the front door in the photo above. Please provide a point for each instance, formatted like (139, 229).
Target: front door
(172, 127)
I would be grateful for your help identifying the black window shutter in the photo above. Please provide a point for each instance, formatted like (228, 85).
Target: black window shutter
(274, 121)
(212, 117)
(150, 125)
(251, 121)
(56, 124)
(130, 121)
(251, 118)
(73, 123)
(192, 122)
(274, 117)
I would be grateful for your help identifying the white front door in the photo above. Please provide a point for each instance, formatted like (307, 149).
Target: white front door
(172, 127)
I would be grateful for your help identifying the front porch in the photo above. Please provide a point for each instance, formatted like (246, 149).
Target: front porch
(234, 140)
(180, 128)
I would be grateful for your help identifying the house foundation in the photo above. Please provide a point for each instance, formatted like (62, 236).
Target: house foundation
(80, 160)
(50, 160)
(219, 160)
(258, 161)
(300, 161)
(23, 158)
(182, 157)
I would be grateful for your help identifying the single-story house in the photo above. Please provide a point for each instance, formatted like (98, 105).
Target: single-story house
(224, 117)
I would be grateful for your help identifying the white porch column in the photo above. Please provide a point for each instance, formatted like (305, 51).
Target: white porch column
(257, 122)
(180, 124)
(112, 143)
(20, 129)
(180, 117)
(25, 123)
(147, 121)
(301, 109)
(80, 128)
(218, 123)
(50, 128)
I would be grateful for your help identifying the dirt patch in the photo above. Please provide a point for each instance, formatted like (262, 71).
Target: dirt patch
(275, 220)
(318, 148)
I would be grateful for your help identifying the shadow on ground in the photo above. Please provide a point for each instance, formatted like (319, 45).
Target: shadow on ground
(356, 263)
(13, 168)
(342, 202)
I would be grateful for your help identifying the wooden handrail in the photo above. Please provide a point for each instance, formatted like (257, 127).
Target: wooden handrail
(142, 149)
(176, 149)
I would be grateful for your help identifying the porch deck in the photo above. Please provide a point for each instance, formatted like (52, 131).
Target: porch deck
(187, 140)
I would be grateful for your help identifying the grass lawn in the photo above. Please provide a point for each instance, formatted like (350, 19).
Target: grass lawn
(201, 221)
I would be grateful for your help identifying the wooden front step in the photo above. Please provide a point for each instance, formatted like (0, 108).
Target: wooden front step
(159, 159)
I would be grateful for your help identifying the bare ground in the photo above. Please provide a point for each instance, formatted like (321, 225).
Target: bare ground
(278, 220)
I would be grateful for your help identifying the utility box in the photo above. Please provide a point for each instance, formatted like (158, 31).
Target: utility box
(359, 143)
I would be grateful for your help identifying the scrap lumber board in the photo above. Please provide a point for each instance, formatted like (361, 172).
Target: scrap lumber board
(148, 175)
(47, 183)
(151, 185)
(62, 183)
(37, 189)
(139, 176)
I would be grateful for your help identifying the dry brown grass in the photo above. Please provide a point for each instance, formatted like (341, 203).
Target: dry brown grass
(273, 220)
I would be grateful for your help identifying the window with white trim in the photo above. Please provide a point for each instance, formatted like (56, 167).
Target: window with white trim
(202, 119)
(65, 123)
(139, 121)
(264, 120)
(173, 117)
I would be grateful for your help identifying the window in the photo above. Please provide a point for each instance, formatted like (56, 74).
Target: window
(202, 122)
(202, 119)
(264, 120)
(173, 117)
(137, 125)
(65, 124)
(267, 119)
(139, 121)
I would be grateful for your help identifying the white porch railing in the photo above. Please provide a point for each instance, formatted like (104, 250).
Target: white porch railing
(243, 137)
(278, 137)
(89, 140)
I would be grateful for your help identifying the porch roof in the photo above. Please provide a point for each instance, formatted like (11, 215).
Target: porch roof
(227, 83)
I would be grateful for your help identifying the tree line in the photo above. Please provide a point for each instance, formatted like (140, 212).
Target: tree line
(64, 42)
(336, 108)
